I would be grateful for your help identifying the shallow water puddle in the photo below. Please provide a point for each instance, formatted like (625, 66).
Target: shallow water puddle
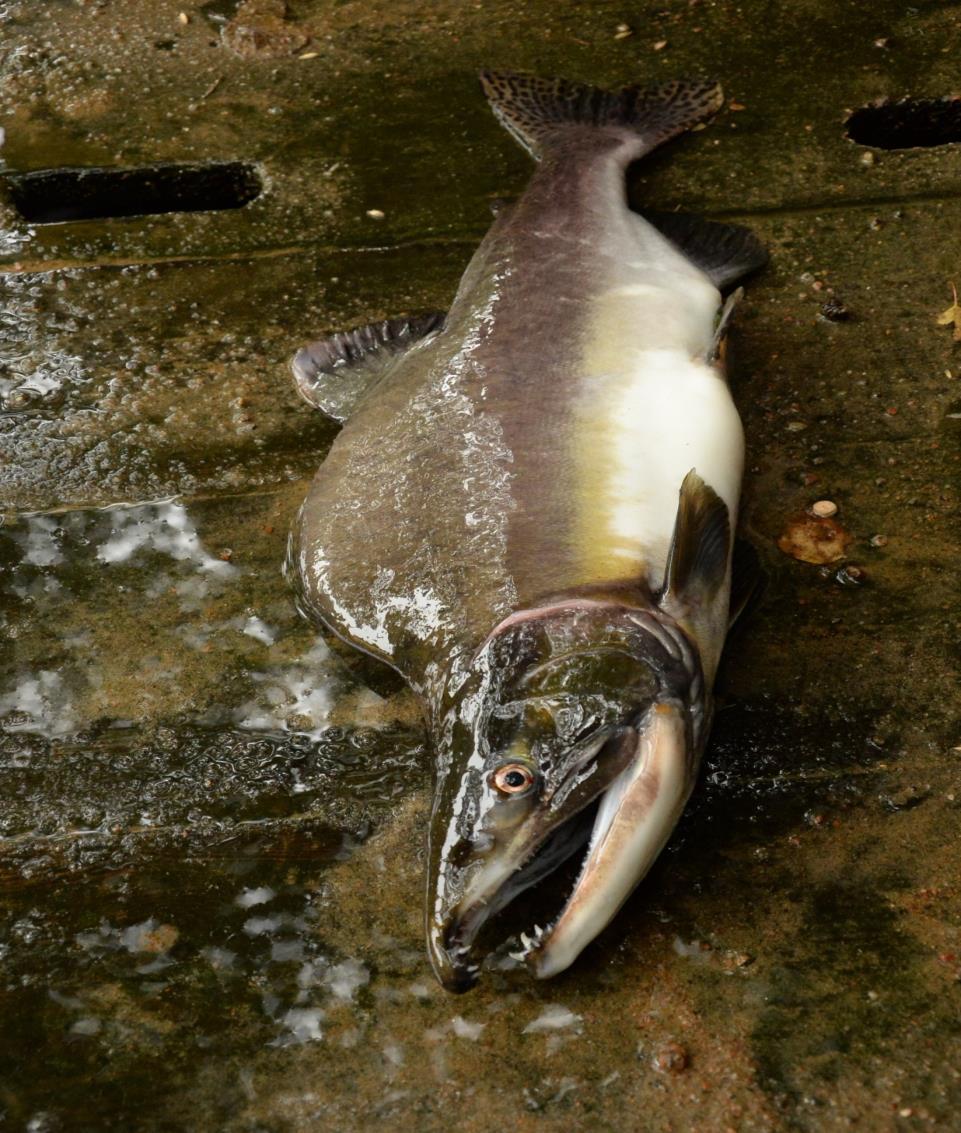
(183, 760)
(191, 612)
(160, 686)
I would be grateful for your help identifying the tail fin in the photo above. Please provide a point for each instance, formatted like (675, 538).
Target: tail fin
(540, 112)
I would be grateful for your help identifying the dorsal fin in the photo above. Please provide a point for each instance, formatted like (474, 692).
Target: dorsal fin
(698, 558)
(334, 373)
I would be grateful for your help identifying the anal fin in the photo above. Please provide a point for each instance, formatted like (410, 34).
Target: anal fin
(724, 252)
(333, 374)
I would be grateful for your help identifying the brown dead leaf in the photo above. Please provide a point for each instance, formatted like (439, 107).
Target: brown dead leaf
(814, 540)
(952, 315)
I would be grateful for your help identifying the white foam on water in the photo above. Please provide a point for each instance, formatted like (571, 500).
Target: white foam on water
(303, 1026)
(296, 697)
(250, 897)
(554, 1017)
(344, 979)
(394, 1053)
(164, 528)
(262, 926)
(41, 704)
(42, 547)
(466, 1030)
(89, 1025)
(259, 630)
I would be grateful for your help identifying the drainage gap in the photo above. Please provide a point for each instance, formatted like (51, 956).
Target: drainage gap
(51, 196)
(909, 123)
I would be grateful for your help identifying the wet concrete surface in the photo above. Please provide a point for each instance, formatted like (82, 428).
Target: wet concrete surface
(211, 840)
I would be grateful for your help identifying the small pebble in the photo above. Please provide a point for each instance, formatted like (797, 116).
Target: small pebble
(905, 799)
(671, 1058)
(834, 311)
(660, 45)
(183, 18)
(824, 509)
(733, 960)
(868, 158)
(375, 214)
(851, 575)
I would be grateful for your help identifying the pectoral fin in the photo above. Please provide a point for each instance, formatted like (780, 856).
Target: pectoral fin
(698, 558)
(694, 591)
(333, 374)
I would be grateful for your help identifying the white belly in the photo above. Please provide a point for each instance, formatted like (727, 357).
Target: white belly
(647, 418)
(669, 417)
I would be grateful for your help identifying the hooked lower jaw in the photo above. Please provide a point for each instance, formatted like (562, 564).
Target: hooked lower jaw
(634, 820)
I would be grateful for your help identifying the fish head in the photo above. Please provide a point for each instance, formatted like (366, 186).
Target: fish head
(548, 718)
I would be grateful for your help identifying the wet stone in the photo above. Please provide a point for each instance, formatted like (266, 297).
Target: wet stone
(904, 798)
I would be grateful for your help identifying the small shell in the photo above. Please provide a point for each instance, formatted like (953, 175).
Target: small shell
(824, 509)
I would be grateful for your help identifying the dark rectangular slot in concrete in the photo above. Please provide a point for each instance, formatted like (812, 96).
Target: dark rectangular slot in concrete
(51, 196)
(909, 123)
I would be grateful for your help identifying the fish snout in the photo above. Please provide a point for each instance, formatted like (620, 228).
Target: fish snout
(452, 960)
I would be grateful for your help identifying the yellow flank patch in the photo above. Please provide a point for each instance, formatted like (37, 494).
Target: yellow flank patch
(604, 554)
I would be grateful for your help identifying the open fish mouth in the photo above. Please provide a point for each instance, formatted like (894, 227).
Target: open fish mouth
(625, 829)
(497, 888)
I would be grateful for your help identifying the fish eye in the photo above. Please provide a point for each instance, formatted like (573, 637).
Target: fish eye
(512, 778)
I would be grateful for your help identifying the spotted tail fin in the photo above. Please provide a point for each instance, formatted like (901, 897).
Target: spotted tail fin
(541, 113)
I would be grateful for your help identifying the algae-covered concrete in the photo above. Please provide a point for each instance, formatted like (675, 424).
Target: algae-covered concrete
(212, 826)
